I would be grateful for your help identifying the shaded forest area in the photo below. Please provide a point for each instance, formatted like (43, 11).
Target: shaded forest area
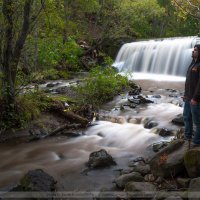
(51, 39)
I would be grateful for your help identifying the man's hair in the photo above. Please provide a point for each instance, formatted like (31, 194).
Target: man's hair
(198, 47)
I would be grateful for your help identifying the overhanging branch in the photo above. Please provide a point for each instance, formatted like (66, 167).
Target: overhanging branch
(185, 10)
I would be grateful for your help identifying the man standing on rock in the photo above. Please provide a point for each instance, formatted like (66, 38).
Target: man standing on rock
(191, 112)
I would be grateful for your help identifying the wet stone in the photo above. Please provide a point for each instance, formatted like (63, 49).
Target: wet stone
(100, 159)
(178, 120)
(36, 180)
(174, 95)
(158, 146)
(165, 132)
(171, 90)
(156, 96)
(51, 84)
(150, 124)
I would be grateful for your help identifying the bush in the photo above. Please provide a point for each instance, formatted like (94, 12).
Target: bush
(53, 51)
(27, 107)
(101, 86)
(49, 74)
(30, 105)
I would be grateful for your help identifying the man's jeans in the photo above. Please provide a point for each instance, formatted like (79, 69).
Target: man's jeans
(191, 115)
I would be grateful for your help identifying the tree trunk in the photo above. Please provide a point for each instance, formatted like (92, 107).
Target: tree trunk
(65, 38)
(8, 84)
(10, 58)
(35, 48)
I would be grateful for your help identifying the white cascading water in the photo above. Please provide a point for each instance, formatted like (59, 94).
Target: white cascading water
(167, 56)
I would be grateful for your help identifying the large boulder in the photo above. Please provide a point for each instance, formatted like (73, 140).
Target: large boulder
(193, 190)
(169, 161)
(100, 159)
(138, 190)
(192, 162)
(122, 180)
(37, 180)
(142, 169)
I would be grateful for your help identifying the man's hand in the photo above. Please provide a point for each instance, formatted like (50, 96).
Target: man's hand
(193, 102)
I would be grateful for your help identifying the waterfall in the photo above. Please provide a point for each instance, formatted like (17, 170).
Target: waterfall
(170, 56)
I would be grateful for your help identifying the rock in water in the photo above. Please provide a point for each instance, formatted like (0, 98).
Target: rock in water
(100, 159)
(37, 180)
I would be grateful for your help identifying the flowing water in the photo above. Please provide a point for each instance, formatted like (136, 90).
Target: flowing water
(167, 56)
(123, 135)
(119, 131)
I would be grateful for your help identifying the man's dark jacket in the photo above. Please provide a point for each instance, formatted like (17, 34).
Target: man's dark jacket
(192, 83)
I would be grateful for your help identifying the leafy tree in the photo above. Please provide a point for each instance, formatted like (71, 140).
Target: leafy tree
(189, 8)
(14, 34)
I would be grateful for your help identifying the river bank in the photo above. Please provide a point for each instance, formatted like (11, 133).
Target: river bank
(123, 135)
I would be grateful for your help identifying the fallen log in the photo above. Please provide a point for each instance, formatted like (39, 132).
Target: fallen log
(61, 128)
(58, 108)
(75, 118)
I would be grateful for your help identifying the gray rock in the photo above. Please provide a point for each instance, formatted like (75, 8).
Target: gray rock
(138, 99)
(171, 90)
(136, 90)
(150, 124)
(169, 161)
(156, 96)
(37, 180)
(178, 120)
(50, 85)
(142, 169)
(183, 182)
(122, 180)
(160, 145)
(100, 159)
(140, 190)
(174, 95)
(192, 162)
(165, 132)
(193, 190)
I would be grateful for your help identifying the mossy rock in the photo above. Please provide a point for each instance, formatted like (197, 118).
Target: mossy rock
(192, 162)
(37, 180)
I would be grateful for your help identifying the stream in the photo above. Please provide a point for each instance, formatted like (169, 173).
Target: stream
(119, 131)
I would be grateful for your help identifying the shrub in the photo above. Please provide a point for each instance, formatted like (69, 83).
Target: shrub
(30, 105)
(101, 86)
(27, 107)
(53, 51)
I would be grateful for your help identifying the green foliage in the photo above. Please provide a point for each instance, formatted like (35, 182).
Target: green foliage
(176, 20)
(48, 74)
(31, 104)
(101, 86)
(27, 107)
(62, 98)
(52, 51)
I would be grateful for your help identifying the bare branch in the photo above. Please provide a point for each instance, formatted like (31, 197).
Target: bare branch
(194, 6)
(35, 18)
(186, 11)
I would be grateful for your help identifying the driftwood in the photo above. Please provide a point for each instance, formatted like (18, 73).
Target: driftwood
(61, 128)
(57, 107)
(76, 118)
